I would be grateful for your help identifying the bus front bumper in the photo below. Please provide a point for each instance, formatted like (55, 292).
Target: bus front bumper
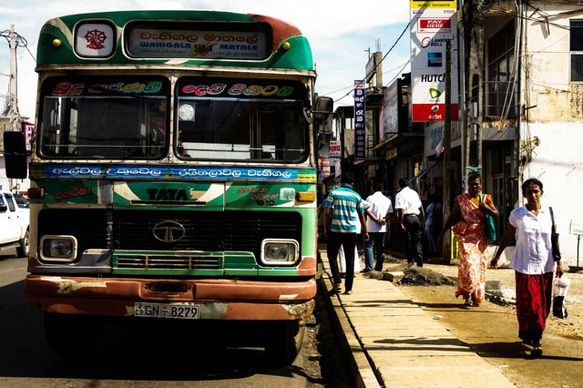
(222, 299)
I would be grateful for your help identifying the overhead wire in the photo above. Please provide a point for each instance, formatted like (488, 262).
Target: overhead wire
(538, 19)
(20, 41)
(381, 61)
(493, 10)
(532, 17)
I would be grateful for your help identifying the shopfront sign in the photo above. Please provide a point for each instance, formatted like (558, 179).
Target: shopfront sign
(433, 23)
(359, 121)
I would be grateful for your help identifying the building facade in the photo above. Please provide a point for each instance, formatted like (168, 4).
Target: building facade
(520, 67)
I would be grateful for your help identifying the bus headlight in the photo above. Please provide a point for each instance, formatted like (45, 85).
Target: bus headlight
(279, 252)
(58, 248)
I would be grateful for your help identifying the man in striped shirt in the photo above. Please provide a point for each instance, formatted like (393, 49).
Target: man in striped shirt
(344, 209)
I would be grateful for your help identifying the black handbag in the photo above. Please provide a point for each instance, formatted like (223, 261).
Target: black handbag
(559, 307)
(555, 239)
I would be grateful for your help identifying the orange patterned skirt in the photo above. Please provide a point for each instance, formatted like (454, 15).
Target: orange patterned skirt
(472, 264)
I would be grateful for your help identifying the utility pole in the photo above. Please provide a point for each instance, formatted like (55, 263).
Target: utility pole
(446, 249)
(474, 91)
(378, 58)
(13, 100)
(13, 113)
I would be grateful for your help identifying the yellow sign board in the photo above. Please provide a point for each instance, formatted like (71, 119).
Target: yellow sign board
(391, 153)
(433, 4)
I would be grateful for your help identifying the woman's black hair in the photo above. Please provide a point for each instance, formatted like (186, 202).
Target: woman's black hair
(531, 181)
(474, 176)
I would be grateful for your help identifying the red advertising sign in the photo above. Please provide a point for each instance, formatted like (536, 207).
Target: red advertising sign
(434, 25)
(433, 112)
(27, 130)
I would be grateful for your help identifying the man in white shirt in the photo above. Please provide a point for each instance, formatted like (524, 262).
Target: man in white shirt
(408, 206)
(378, 215)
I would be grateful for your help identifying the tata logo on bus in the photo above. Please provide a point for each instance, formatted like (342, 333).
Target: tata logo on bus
(167, 195)
(169, 231)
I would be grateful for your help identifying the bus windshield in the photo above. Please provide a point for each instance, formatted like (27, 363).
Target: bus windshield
(219, 120)
(235, 119)
(103, 118)
(235, 129)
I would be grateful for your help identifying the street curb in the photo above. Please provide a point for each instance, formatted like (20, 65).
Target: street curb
(352, 352)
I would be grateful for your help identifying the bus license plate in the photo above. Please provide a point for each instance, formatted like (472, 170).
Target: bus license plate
(167, 310)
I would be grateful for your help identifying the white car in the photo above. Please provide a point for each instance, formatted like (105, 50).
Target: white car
(14, 220)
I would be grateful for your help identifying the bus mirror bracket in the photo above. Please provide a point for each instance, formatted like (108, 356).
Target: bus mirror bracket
(15, 155)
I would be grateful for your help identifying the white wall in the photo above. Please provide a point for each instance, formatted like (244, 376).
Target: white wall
(558, 163)
(548, 92)
(554, 117)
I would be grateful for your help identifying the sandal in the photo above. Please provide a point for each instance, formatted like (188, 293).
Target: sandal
(336, 289)
(474, 302)
(536, 352)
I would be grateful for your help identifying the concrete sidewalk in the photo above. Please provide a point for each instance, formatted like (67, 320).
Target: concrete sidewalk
(395, 343)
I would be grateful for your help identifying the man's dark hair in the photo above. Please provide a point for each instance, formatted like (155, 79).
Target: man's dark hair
(347, 177)
(531, 181)
(376, 186)
(403, 182)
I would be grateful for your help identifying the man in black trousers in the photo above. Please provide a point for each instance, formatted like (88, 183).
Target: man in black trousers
(408, 206)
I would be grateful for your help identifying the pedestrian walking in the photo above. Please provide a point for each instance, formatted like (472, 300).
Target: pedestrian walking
(344, 210)
(378, 216)
(532, 262)
(408, 206)
(341, 256)
(468, 219)
(432, 223)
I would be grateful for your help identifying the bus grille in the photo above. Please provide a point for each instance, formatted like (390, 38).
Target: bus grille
(167, 262)
(206, 231)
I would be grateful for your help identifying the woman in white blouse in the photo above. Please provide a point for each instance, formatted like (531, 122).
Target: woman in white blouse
(532, 262)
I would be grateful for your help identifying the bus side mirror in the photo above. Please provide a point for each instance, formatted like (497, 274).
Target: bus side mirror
(323, 145)
(324, 114)
(15, 155)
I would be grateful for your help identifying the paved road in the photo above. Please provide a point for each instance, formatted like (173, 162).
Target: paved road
(142, 356)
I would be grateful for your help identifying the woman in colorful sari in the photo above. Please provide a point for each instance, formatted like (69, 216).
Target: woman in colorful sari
(468, 220)
(532, 262)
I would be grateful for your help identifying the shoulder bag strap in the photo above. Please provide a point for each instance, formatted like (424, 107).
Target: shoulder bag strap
(552, 219)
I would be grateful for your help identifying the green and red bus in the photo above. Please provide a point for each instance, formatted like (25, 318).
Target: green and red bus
(173, 174)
